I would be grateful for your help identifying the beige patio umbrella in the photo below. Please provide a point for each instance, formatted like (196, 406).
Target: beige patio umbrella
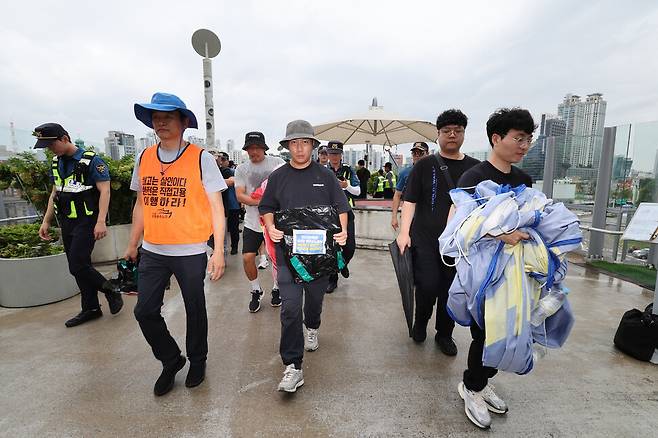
(377, 127)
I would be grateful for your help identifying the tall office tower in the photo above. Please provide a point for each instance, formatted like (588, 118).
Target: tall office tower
(118, 144)
(230, 144)
(584, 123)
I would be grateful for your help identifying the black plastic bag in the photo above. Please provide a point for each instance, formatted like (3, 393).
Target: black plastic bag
(637, 334)
(307, 267)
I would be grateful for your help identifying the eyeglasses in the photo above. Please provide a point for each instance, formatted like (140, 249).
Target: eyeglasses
(449, 131)
(417, 152)
(521, 140)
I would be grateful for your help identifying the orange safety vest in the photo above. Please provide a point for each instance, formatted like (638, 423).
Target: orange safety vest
(176, 207)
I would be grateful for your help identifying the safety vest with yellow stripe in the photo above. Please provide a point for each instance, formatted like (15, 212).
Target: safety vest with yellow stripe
(387, 184)
(345, 172)
(76, 196)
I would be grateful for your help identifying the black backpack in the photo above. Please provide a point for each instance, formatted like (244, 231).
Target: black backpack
(637, 334)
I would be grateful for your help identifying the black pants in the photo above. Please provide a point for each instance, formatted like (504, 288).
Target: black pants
(232, 227)
(292, 296)
(78, 238)
(477, 375)
(350, 246)
(388, 193)
(433, 280)
(154, 273)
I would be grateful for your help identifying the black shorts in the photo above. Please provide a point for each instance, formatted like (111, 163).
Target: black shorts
(251, 241)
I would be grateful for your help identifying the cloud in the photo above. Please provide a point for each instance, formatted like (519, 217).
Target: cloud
(86, 66)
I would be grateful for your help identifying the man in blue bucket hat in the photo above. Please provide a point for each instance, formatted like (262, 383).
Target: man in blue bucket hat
(178, 206)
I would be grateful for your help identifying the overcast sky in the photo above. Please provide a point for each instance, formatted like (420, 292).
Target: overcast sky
(84, 64)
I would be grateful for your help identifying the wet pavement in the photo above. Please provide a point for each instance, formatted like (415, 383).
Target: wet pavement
(367, 378)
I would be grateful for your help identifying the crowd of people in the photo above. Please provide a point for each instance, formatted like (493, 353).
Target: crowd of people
(188, 198)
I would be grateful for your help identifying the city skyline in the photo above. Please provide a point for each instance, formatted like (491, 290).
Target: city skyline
(269, 75)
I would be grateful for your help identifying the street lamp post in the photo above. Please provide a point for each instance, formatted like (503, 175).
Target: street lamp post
(207, 45)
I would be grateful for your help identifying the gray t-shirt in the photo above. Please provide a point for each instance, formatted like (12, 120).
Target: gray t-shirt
(212, 181)
(250, 176)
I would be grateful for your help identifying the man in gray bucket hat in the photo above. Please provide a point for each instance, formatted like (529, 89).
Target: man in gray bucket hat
(300, 183)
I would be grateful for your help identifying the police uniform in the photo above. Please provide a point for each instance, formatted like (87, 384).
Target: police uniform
(344, 173)
(76, 203)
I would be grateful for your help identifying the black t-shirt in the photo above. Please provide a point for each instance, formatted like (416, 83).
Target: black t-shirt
(427, 188)
(364, 175)
(486, 171)
(288, 187)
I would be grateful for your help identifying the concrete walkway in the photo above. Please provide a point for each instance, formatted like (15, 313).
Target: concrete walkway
(367, 379)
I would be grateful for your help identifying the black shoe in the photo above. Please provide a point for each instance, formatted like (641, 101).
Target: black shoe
(345, 272)
(115, 301)
(234, 251)
(446, 345)
(84, 316)
(254, 304)
(419, 332)
(276, 298)
(195, 375)
(333, 283)
(166, 380)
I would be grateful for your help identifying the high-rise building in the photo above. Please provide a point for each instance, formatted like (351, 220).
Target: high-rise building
(584, 123)
(230, 144)
(197, 141)
(119, 144)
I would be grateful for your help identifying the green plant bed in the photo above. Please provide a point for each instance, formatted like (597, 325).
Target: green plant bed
(641, 275)
(23, 241)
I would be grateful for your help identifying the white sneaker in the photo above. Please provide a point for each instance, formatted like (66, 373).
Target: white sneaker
(475, 407)
(292, 379)
(494, 403)
(264, 263)
(311, 339)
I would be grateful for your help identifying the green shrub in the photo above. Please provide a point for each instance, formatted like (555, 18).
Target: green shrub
(32, 177)
(22, 241)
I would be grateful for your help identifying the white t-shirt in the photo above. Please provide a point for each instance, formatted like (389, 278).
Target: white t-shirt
(212, 181)
(250, 176)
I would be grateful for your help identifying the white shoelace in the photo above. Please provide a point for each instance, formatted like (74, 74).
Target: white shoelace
(312, 336)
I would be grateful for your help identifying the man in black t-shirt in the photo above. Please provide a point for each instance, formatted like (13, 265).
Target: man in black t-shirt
(364, 175)
(510, 135)
(300, 183)
(424, 216)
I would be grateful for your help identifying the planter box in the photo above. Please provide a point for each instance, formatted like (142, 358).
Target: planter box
(372, 227)
(35, 281)
(112, 247)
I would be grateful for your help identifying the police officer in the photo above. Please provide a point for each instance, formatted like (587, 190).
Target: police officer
(80, 199)
(389, 181)
(351, 188)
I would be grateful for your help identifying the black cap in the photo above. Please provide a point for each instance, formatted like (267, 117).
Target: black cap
(335, 147)
(322, 150)
(254, 138)
(421, 146)
(48, 133)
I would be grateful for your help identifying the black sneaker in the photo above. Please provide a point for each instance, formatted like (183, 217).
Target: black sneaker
(115, 301)
(166, 380)
(333, 283)
(254, 304)
(234, 251)
(276, 298)
(345, 272)
(419, 332)
(446, 345)
(84, 316)
(195, 375)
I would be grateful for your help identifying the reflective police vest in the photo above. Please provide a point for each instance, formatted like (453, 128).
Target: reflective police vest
(76, 196)
(345, 172)
(380, 184)
(387, 185)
